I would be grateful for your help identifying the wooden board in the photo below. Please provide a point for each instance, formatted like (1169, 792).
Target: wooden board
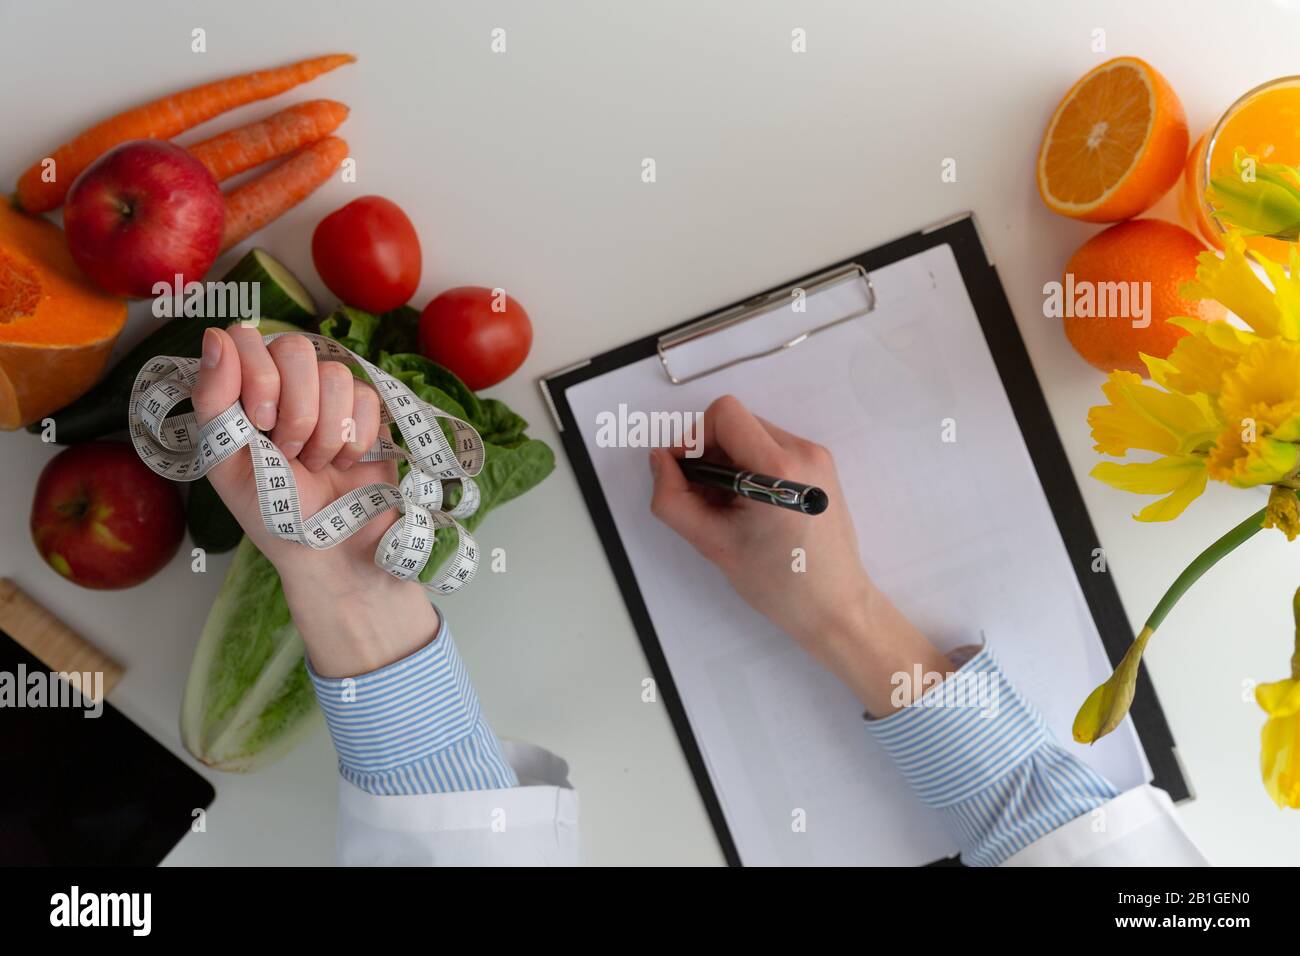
(58, 646)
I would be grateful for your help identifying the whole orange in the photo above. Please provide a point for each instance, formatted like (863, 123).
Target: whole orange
(1121, 287)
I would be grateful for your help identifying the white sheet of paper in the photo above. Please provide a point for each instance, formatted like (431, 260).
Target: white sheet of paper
(958, 533)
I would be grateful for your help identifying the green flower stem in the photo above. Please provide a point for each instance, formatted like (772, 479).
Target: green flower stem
(1109, 702)
(1202, 563)
(1295, 658)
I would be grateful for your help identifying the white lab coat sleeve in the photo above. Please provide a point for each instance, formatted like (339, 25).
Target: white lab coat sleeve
(533, 824)
(1140, 827)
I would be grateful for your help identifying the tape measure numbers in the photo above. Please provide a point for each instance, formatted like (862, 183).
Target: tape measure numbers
(177, 448)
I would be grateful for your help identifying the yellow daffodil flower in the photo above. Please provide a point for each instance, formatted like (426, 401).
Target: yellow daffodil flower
(1260, 405)
(1264, 388)
(1181, 480)
(1245, 464)
(1179, 427)
(1150, 419)
(1279, 752)
(1230, 280)
(1199, 360)
(1286, 292)
(1224, 405)
(1283, 512)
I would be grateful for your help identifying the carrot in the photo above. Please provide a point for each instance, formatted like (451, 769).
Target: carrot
(161, 119)
(269, 196)
(230, 153)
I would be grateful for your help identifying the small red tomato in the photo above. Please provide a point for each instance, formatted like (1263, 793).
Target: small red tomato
(368, 254)
(482, 335)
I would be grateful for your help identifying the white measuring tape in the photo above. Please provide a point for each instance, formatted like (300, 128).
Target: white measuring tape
(177, 448)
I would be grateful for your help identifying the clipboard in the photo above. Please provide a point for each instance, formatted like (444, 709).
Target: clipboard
(1022, 390)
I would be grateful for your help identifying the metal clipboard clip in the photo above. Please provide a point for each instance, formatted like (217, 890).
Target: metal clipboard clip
(763, 305)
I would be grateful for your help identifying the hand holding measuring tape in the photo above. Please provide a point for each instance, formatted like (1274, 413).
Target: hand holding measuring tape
(325, 486)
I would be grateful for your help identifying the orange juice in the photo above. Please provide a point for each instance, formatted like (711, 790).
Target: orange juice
(1265, 122)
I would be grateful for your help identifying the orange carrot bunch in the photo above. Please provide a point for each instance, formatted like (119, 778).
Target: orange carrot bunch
(301, 133)
(161, 119)
(253, 205)
(233, 152)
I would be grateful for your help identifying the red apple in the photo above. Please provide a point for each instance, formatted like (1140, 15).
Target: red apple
(102, 519)
(144, 213)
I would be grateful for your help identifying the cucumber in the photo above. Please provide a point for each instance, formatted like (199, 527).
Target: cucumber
(103, 409)
(270, 326)
(281, 295)
(212, 527)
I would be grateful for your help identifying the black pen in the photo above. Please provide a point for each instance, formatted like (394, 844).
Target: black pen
(773, 491)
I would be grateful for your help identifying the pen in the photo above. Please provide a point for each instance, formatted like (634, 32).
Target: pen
(773, 491)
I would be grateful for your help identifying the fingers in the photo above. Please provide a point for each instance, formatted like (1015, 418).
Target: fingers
(260, 392)
(365, 429)
(220, 376)
(299, 403)
(731, 427)
(334, 422)
(682, 508)
(787, 440)
(804, 451)
(316, 412)
(755, 443)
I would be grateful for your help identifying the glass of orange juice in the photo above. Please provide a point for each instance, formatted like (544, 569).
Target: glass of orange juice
(1265, 122)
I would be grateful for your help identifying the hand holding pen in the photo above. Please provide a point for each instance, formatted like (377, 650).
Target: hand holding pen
(804, 574)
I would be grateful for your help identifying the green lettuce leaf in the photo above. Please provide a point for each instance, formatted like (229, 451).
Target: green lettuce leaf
(507, 473)
(248, 699)
(499, 425)
(370, 335)
(510, 468)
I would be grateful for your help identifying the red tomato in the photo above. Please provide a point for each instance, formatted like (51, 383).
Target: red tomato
(368, 254)
(482, 335)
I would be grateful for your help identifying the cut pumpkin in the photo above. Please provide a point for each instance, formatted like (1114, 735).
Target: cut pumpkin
(56, 328)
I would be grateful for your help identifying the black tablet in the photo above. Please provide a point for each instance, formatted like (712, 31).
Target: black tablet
(81, 789)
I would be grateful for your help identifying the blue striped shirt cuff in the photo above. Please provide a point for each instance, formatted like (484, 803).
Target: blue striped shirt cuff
(414, 726)
(981, 755)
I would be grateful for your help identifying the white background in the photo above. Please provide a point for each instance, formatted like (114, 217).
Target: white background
(523, 170)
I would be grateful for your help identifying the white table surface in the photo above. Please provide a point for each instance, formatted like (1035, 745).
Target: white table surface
(522, 170)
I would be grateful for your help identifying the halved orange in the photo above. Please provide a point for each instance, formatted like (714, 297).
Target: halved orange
(1115, 144)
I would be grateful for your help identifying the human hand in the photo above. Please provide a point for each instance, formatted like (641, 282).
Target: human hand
(831, 608)
(353, 616)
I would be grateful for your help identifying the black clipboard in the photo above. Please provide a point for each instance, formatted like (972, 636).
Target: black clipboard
(1036, 426)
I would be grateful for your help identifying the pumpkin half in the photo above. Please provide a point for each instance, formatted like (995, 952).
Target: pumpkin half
(56, 328)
